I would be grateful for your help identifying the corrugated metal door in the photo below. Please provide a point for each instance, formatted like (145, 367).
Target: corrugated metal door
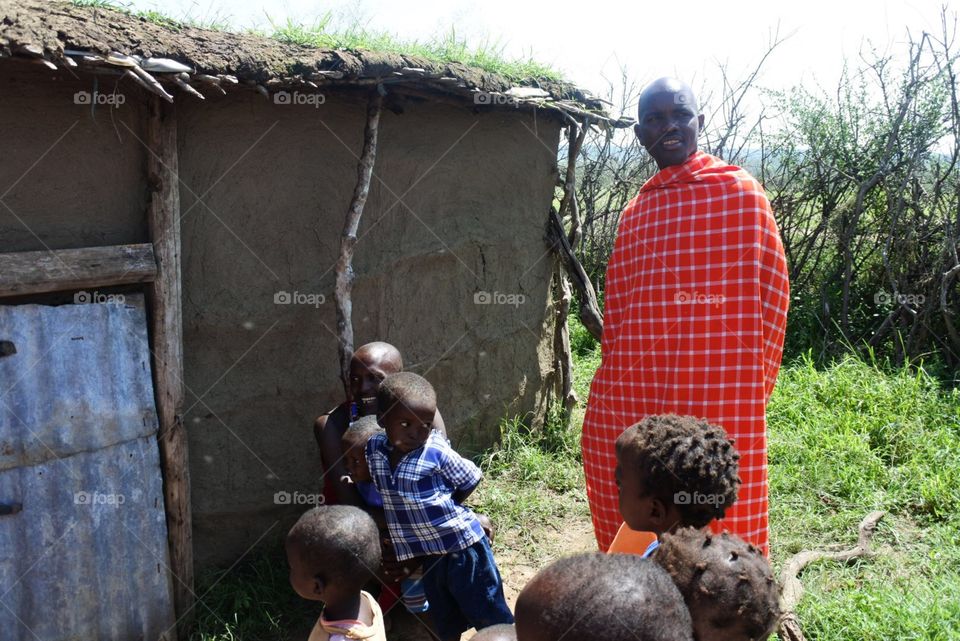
(83, 541)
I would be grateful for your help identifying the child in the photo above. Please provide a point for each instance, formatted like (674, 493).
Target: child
(615, 597)
(673, 471)
(370, 364)
(501, 632)
(423, 483)
(727, 584)
(333, 551)
(354, 445)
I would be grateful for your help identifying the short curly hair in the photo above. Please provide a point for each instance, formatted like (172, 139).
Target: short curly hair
(684, 461)
(405, 388)
(616, 597)
(726, 582)
(340, 542)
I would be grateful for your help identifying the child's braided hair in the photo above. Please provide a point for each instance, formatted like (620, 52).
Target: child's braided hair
(684, 461)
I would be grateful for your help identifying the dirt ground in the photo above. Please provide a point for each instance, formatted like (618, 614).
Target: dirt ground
(520, 555)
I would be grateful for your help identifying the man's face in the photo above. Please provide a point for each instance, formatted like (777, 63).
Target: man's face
(366, 374)
(668, 126)
(408, 425)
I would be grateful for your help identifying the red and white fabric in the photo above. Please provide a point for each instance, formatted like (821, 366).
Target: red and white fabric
(696, 302)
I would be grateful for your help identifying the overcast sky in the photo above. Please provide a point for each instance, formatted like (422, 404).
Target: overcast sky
(590, 40)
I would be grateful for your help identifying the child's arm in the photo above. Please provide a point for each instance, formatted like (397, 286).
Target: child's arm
(329, 429)
(462, 475)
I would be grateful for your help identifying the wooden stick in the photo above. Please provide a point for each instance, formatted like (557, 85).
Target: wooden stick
(166, 324)
(569, 202)
(561, 346)
(61, 269)
(791, 589)
(589, 308)
(344, 268)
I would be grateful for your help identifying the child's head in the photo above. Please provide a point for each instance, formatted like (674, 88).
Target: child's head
(354, 445)
(407, 405)
(333, 551)
(727, 584)
(501, 632)
(602, 596)
(371, 363)
(675, 471)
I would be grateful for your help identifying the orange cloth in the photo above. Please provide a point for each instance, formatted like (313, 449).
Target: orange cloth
(695, 312)
(629, 541)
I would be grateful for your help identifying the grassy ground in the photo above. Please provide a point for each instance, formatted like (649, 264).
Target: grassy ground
(843, 441)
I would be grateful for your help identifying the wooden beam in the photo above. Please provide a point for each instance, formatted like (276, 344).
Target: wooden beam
(166, 325)
(62, 269)
(344, 267)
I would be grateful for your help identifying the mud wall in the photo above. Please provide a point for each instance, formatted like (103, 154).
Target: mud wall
(451, 265)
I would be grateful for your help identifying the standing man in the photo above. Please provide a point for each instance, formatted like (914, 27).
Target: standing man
(695, 310)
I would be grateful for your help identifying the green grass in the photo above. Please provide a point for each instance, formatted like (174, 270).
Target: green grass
(353, 34)
(844, 440)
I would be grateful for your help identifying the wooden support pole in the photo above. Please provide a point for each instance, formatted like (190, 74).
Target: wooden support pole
(62, 269)
(344, 267)
(166, 328)
(589, 308)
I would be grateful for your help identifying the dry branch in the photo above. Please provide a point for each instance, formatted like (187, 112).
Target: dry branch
(791, 589)
(589, 308)
(344, 267)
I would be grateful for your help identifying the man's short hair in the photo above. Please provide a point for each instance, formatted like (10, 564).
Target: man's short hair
(405, 388)
(684, 461)
(725, 581)
(339, 542)
(615, 597)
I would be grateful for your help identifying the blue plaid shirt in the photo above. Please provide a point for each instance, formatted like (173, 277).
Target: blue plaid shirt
(418, 497)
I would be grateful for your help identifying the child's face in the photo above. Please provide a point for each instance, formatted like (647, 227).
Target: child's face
(635, 501)
(408, 425)
(355, 460)
(302, 580)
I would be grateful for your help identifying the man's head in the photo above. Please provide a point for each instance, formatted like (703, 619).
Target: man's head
(371, 363)
(727, 584)
(675, 471)
(333, 551)
(602, 596)
(354, 445)
(501, 632)
(407, 405)
(668, 121)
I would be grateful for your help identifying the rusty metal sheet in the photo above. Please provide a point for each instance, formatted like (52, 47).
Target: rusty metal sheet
(83, 551)
(79, 380)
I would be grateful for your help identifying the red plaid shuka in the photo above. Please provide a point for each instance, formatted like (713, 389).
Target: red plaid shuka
(695, 312)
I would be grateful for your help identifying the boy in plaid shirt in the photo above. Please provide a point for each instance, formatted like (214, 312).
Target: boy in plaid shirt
(424, 482)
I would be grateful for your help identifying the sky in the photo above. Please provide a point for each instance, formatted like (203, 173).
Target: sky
(590, 42)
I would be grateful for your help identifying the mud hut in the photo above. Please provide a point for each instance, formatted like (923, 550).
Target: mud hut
(213, 172)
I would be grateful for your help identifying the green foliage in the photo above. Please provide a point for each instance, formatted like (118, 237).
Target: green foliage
(252, 601)
(448, 47)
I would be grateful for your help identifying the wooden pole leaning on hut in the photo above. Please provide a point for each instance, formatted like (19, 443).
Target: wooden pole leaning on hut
(166, 330)
(344, 267)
